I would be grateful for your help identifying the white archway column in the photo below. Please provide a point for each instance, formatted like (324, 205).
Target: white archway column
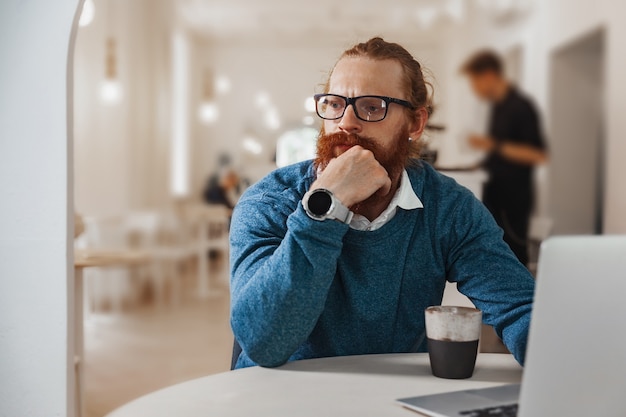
(36, 343)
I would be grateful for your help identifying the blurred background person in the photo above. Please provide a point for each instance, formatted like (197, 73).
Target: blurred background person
(514, 145)
(223, 189)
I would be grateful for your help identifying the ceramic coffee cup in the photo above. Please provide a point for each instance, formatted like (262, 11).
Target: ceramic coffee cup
(453, 334)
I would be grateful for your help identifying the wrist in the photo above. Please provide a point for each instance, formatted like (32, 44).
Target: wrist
(338, 194)
(321, 204)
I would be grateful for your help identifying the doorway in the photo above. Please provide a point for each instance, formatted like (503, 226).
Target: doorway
(577, 99)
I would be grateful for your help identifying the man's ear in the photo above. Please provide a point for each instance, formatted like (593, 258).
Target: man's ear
(418, 124)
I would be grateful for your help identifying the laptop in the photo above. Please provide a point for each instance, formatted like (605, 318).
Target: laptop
(576, 358)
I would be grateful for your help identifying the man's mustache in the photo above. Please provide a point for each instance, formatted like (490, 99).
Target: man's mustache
(346, 139)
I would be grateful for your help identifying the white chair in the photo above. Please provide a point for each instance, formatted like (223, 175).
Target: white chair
(162, 235)
(209, 228)
(110, 285)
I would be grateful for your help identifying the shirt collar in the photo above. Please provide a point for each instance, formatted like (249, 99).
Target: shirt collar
(405, 198)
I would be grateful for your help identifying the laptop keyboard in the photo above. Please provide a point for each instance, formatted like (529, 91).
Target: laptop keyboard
(500, 411)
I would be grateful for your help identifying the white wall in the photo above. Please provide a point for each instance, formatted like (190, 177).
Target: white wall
(564, 21)
(577, 129)
(122, 149)
(615, 191)
(35, 185)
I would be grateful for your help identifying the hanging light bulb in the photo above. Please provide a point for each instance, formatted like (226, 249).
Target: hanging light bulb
(309, 104)
(208, 112)
(455, 9)
(272, 118)
(252, 145)
(111, 91)
(222, 84)
(111, 88)
(426, 16)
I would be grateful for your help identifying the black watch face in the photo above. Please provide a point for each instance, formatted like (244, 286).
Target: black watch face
(319, 203)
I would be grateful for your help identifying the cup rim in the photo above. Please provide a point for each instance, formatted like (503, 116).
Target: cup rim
(453, 309)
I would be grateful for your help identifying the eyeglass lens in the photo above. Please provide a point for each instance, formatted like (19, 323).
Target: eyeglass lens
(371, 109)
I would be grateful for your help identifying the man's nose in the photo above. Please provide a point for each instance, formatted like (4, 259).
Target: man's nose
(349, 122)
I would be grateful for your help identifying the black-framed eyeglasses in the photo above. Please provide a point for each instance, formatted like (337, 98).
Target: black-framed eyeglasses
(366, 108)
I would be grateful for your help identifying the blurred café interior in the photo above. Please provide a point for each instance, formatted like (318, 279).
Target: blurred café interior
(171, 97)
(180, 105)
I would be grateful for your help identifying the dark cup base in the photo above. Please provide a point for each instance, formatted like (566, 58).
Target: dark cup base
(452, 360)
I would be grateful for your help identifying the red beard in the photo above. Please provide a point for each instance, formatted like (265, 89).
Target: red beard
(394, 160)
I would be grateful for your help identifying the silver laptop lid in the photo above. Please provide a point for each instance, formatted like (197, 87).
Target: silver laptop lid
(576, 359)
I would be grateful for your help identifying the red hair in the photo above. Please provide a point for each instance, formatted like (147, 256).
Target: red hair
(380, 50)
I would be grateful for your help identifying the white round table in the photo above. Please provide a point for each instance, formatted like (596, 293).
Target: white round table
(341, 386)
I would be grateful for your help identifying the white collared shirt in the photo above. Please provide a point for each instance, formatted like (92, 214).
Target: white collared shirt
(405, 198)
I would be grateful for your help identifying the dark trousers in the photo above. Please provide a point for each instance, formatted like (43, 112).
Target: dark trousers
(510, 206)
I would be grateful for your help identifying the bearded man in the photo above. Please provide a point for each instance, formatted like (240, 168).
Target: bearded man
(341, 255)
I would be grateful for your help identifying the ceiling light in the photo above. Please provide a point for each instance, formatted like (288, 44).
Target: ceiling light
(505, 10)
(222, 84)
(426, 16)
(208, 112)
(272, 119)
(309, 104)
(262, 99)
(110, 91)
(111, 88)
(252, 145)
(455, 9)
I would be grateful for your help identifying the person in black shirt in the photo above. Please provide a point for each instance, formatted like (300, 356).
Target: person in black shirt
(514, 145)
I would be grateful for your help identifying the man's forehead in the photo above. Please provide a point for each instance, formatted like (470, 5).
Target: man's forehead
(362, 75)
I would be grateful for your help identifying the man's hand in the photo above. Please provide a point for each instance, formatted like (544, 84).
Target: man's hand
(517, 153)
(483, 143)
(354, 176)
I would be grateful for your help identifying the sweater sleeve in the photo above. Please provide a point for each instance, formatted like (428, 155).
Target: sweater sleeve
(282, 267)
(487, 271)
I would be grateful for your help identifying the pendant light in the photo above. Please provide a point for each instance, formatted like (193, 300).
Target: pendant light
(208, 111)
(111, 88)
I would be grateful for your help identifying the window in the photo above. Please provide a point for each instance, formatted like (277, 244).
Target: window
(296, 145)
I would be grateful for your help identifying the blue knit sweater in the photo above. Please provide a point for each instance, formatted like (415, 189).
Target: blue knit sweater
(302, 289)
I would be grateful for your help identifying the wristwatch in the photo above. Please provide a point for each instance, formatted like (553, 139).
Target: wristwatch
(321, 204)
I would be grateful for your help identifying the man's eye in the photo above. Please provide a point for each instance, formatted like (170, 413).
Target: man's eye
(371, 106)
(334, 104)
(372, 109)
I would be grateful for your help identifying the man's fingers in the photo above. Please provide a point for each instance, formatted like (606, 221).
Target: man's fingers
(387, 187)
(354, 176)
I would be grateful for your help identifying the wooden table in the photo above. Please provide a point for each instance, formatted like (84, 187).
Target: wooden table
(85, 258)
(341, 386)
